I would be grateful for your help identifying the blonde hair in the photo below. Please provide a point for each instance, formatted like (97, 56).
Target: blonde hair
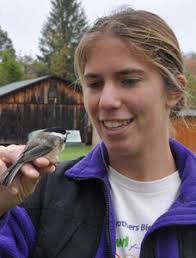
(149, 35)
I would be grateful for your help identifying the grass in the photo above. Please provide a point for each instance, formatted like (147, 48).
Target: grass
(74, 152)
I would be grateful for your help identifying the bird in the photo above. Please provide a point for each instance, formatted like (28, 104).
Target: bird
(47, 142)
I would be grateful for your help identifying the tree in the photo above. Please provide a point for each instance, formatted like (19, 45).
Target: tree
(5, 42)
(60, 35)
(191, 90)
(190, 65)
(31, 67)
(10, 69)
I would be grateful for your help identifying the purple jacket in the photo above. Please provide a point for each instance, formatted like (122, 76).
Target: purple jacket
(17, 233)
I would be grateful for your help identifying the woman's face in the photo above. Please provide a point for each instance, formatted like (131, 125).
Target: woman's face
(125, 98)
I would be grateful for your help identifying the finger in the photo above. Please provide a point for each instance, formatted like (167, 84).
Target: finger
(44, 165)
(12, 152)
(20, 188)
(47, 170)
(2, 150)
(3, 166)
(30, 171)
(33, 172)
(41, 162)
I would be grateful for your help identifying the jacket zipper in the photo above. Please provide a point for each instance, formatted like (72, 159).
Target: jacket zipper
(108, 237)
(106, 194)
(106, 220)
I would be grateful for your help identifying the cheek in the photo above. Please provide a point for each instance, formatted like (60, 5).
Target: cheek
(148, 102)
(90, 103)
(140, 101)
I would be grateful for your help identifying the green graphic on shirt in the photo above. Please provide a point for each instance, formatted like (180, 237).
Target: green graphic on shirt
(122, 242)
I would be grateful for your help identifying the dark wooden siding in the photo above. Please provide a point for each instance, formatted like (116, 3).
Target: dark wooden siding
(47, 103)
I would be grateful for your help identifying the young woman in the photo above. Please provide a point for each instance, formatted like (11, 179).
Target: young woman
(134, 194)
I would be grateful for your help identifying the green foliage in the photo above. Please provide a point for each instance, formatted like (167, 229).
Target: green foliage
(10, 69)
(74, 152)
(191, 91)
(58, 63)
(5, 43)
(60, 35)
(31, 67)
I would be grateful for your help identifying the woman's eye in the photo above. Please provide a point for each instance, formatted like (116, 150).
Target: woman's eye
(94, 84)
(129, 82)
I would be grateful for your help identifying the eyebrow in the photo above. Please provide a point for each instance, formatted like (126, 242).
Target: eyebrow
(126, 71)
(130, 72)
(91, 75)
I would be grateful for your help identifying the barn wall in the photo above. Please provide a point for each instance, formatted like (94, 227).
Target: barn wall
(45, 92)
(185, 132)
(47, 103)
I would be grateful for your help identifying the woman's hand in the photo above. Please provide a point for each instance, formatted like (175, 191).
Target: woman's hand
(25, 182)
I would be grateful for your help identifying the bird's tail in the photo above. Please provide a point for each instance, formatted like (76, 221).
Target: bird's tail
(8, 175)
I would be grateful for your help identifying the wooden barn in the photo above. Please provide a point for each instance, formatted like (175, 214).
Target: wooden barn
(42, 102)
(185, 129)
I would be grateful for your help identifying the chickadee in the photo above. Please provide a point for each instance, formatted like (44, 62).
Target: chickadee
(47, 142)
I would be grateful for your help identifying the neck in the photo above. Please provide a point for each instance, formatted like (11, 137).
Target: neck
(152, 164)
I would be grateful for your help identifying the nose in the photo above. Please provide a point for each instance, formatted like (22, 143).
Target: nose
(110, 97)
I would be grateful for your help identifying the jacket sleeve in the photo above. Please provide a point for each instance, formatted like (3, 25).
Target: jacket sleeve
(17, 234)
(18, 227)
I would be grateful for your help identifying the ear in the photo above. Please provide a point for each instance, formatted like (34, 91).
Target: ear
(173, 97)
(182, 80)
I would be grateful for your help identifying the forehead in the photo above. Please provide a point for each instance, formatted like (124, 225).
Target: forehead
(111, 53)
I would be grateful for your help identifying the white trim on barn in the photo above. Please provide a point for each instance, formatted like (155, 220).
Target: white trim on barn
(188, 112)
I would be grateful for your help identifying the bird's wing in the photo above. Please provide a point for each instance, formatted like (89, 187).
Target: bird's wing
(7, 176)
(33, 152)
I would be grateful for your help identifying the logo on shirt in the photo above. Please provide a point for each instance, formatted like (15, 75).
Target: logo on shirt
(127, 243)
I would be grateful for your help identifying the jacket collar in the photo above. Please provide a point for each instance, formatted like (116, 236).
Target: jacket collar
(186, 165)
(183, 210)
(93, 165)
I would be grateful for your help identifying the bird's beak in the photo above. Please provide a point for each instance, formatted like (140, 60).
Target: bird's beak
(66, 134)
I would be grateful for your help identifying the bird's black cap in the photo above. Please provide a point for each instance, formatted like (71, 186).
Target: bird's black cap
(56, 129)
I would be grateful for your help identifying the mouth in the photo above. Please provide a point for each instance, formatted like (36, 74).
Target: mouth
(114, 124)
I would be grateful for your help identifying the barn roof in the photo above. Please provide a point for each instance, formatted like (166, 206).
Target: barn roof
(10, 88)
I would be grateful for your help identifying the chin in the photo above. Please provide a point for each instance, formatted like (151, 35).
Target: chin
(124, 147)
(117, 147)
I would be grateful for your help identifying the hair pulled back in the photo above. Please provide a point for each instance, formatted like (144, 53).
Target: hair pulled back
(146, 33)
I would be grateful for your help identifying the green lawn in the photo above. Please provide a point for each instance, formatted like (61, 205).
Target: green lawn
(73, 152)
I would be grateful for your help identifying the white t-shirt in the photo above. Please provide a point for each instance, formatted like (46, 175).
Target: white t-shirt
(137, 205)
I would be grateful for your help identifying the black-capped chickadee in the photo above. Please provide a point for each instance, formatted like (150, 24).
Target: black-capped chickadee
(48, 142)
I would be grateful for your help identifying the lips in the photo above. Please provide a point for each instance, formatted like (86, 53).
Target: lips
(113, 124)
